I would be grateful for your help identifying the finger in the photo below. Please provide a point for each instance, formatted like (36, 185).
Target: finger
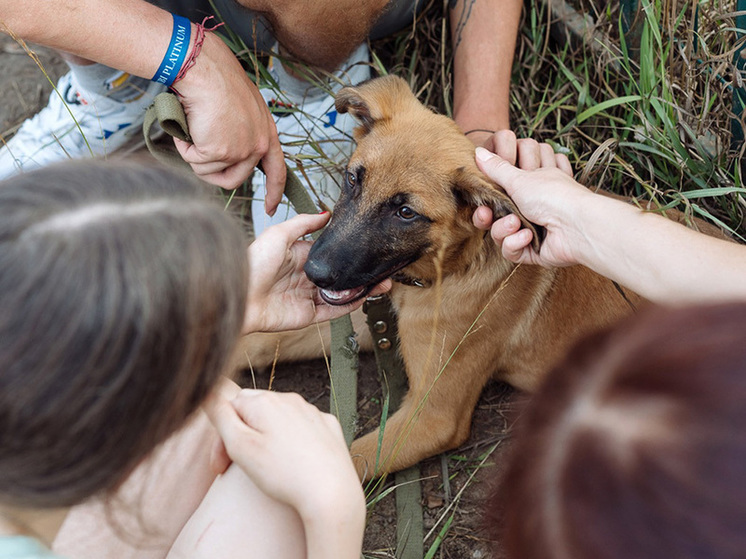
(383, 287)
(213, 404)
(194, 156)
(546, 155)
(302, 225)
(529, 154)
(482, 218)
(208, 167)
(228, 388)
(231, 177)
(183, 147)
(273, 164)
(252, 406)
(563, 163)
(504, 227)
(215, 171)
(224, 391)
(515, 247)
(325, 311)
(506, 145)
(499, 170)
(234, 432)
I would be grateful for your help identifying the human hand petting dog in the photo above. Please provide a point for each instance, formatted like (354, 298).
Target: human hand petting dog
(653, 256)
(297, 455)
(543, 189)
(280, 296)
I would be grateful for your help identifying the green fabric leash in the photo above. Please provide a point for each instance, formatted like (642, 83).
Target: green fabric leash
(410, 530)
(169, 113)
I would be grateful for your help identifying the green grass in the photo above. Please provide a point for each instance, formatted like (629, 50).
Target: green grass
(640, 115)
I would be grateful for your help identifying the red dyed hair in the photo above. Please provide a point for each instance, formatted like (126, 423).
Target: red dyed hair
(635, 447)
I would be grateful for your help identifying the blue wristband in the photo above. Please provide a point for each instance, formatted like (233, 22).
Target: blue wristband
(176, 53)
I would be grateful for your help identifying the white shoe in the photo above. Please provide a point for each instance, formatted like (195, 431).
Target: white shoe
(75, 124)
(316, 140)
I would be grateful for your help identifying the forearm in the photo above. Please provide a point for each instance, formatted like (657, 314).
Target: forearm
(336, 531)
(484, 35)
(658, 258)
(130, 35)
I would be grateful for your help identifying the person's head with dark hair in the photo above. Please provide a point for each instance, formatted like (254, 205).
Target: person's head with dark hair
(123, 293)
(635, 446)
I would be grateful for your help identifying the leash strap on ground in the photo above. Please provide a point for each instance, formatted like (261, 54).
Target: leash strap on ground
(384, 330)
(168, 112)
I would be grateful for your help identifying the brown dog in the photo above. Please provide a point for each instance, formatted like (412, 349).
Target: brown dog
(465, 313)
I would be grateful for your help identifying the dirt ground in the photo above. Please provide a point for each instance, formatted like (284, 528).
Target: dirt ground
(25, 89)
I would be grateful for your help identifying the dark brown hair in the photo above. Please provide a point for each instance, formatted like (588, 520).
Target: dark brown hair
(636, 445)
(122, 294)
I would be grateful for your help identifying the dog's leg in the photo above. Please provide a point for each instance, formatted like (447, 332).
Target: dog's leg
(435, 416)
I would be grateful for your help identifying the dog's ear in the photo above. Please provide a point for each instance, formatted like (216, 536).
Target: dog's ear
(375, 100)
(476, 190)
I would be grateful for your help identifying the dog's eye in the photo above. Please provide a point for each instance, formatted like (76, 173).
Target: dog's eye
(407, 213)
(350, 179)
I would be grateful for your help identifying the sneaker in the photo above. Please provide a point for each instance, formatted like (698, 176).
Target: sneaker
(316, 140)
(76, 124)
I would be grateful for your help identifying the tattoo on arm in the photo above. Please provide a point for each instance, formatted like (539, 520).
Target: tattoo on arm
(463, 18)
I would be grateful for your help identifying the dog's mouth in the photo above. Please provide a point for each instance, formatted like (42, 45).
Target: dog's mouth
(347, 296)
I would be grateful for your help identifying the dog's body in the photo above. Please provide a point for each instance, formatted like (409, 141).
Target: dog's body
(465, 313)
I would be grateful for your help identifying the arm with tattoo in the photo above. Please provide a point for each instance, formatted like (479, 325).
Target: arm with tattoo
(484, 34)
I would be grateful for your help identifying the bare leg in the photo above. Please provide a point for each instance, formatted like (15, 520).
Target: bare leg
(146, 515)
(237, 520)
(173, 500)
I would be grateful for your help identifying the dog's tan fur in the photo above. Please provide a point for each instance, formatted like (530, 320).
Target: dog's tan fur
(481, 316)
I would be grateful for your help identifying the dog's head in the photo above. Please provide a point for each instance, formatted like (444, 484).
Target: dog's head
(408, 196)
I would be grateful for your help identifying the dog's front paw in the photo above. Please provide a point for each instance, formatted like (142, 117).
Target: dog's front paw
(365, 457)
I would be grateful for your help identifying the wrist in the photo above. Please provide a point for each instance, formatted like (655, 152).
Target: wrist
(335, 526)
(214, 58)
(201, 29)
(338, 499)
(602, 214)
(176, 53)
(480, 136)
(482, 121)
(471, 111)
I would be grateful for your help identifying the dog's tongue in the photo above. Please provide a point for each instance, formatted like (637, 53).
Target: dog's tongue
(341, 297)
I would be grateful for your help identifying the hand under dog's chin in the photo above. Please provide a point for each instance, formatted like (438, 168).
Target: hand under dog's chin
(347, 296)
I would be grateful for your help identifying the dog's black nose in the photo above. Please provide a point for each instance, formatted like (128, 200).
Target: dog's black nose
(320, 272)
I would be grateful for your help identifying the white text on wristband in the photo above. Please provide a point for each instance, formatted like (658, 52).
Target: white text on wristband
(176, 53)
